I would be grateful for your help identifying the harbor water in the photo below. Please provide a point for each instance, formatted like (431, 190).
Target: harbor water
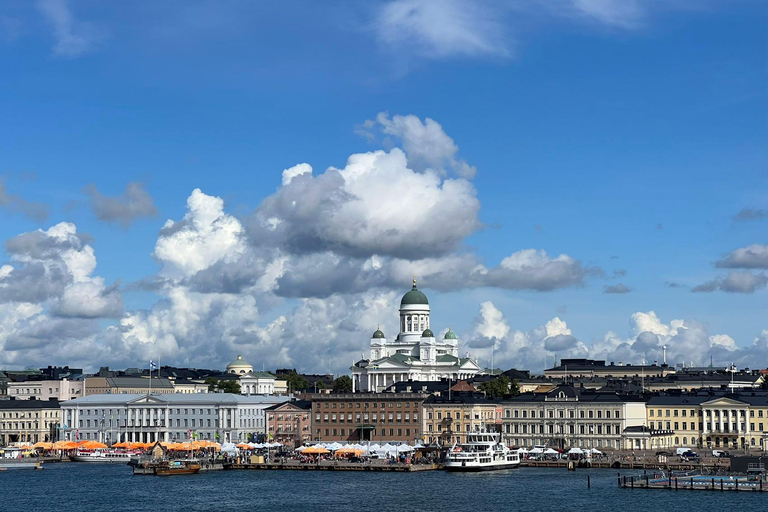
(97, 487)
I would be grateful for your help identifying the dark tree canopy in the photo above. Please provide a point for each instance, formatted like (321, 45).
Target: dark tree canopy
(500, 387)
(343, 384)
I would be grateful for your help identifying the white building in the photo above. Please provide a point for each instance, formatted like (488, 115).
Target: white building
(169, 417)
(63, 389)
(414, 354)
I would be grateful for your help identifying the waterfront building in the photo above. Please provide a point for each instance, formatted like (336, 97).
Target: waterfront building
(414, 354)
(28, 420)
(289, 423)
(448, 419)
(127, 385)
(375, 417)
(709, 418)
(165, 417)
(569, 368)
(571, 417)
(43, 388)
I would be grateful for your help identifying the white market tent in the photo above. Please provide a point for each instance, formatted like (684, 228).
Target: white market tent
(537, 450)
(550, 451)
(576, 450)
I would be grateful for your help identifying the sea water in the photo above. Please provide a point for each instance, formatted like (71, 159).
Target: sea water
(88, 487)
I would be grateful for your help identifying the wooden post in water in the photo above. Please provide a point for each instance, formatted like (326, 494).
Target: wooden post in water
(721, 483)
(736, 482)
(589, 484)
(691, 483)
(632, 482)
(713, 484)
(675, 483)
(619, 478)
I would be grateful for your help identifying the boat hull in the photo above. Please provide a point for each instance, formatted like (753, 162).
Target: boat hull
(475, 468)
(187, 470)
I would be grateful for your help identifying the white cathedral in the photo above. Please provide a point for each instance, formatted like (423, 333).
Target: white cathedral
(414, 354)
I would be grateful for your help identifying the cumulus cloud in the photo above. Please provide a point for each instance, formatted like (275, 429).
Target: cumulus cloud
(50, 301)
(133, 204)
(375, 205)
(17, 204)
(617, 288)
(686, 341)
(734, 282)
(203, 237)
(73, 37)
(753, 256)
(425, 143)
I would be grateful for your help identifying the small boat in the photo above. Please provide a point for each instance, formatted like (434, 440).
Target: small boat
(103, 455)
(177, 467)
(483, 451)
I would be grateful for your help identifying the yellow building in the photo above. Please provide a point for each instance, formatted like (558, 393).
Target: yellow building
(712, 419)
(447, 420)
(28, 420)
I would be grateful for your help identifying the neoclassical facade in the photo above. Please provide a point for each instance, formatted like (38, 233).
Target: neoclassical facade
(414, 354)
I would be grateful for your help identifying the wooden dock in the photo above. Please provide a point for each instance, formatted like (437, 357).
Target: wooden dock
(324, 465)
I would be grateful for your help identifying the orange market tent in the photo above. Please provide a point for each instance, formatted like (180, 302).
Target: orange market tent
(43, 445)
(317, 449)
(92, 445)
(349, 451)
(121, 444)
(64, 445)
(244, 446)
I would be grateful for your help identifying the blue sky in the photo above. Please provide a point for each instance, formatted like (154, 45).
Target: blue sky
(627, 136)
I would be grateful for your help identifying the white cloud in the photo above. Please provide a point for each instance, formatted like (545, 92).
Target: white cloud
(441, 29)
(735, 282)
(426, 144)
(296, 170)
(73, 37)
(203, 237)
(619, 13)
(753, 256)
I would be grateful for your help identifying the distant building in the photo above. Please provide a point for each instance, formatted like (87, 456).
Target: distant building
(448, 419)
(593, 368)
(289, 423)
(415, 353)
(239, 366)
(165, 417)
(376, 417)
(28, 420)
(35, 389)
(127, 385)
(571, 417)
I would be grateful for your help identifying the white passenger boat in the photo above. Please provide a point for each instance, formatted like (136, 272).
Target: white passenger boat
(483, 451)
(103, 455)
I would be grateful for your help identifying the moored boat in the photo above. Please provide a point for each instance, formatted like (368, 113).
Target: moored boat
(103, 455)
(177, 467)
(483, 451)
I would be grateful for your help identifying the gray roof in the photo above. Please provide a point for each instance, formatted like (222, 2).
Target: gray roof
(177, 398)
(29, 404)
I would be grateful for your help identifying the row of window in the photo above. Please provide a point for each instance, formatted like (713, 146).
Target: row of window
(374, 417)
(669, 425)
(590, 413)
(374, 433)
(709, 413)
(534, 428)
(375, 405)
(35, 414)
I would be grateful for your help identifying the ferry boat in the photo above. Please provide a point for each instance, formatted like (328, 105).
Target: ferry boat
(103, 455)
(483, 451)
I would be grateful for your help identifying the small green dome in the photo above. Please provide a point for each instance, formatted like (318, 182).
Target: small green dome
(427, 334)
(414, 296)
(378, 334)
(450, 335)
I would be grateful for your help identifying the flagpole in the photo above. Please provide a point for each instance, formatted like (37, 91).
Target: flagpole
(150, 378)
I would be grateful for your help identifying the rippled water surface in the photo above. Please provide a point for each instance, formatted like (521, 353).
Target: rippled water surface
(97, 487)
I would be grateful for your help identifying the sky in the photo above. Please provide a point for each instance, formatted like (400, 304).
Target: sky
(186, 181)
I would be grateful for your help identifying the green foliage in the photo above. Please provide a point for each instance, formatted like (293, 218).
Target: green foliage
(497, 388)
(225, 386)
(295, 381)
(343, 384)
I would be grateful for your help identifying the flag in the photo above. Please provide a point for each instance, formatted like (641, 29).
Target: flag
(152, 365)
(218, 436)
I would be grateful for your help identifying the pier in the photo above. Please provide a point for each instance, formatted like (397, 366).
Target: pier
(695, 482)
(333, 465)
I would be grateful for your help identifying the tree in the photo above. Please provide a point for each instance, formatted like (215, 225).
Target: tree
(229, 386)
(514, 388)
(496, 388)
(225, 386)
(212, 384)
(343, 384)
(295, 381)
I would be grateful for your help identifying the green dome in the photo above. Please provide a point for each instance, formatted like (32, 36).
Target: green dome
(450, 335)
(414, 296)
(427, 334)
(378, 334)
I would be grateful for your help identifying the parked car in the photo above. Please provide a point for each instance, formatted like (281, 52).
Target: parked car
(689, 456)
(663, 453)
(720, 453)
